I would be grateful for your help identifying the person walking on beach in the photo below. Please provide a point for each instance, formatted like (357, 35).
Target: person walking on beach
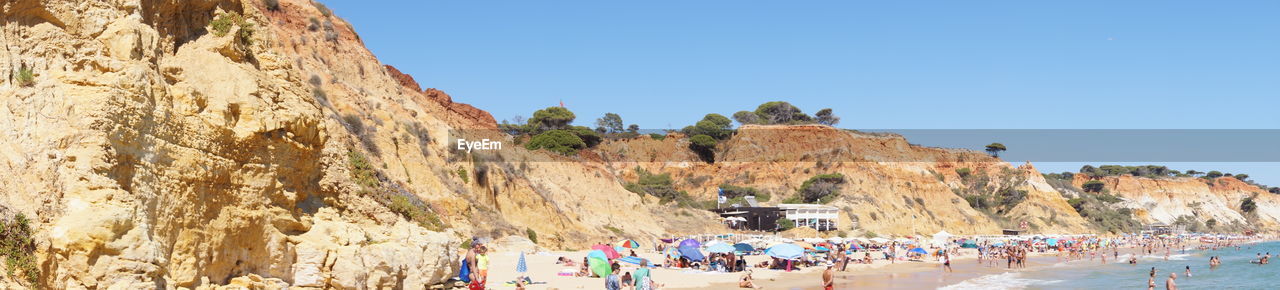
(946, 262)
(1169, 284)
(642, 279)
(828, 278)
(613, 282)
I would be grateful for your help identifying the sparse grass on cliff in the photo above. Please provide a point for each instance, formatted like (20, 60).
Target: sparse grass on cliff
(462, 173)
(223, 23)
(533, 236)
(17, 247)
(362, 171)
(416, 212)
(615, 231)
(273, 5)
(25, 76)
(324, 10)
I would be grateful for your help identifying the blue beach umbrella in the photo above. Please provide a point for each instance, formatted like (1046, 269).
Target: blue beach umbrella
(821, 249)
(720, 248)
(743, 247)
(1051, 242)
(785, 251)
(690, 243)
(597, 254)
(919, 251)
(521, 267)
(691, 253)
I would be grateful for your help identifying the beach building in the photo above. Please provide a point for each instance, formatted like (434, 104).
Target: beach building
(1159, 228)
(816, 216)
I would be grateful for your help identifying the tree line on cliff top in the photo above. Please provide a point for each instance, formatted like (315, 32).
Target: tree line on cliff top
(1152, 171)
(552, 128)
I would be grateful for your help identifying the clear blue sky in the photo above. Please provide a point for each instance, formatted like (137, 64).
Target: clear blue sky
(878, 64)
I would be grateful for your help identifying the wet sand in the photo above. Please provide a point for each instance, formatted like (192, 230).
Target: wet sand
(927, 274)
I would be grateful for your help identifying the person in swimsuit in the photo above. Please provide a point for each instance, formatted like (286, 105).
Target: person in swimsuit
(828, 278)
(1151, 279)
(1170, 284)
(946, 262)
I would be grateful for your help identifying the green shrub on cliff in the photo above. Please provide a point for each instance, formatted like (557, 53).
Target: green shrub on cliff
(1093, 186)
(223, 23)
(558, 141)
(17, 247)
(25, 76)
(704, 146)
(821, 188)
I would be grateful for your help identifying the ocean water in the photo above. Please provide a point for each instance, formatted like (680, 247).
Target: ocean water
(1236, 272)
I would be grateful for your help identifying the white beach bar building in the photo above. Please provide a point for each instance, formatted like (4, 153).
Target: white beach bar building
(816, 216)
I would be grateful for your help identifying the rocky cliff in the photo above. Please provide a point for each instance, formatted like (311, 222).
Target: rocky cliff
(163, 144)
(892, 187)
(210, 143)
(1199, 200)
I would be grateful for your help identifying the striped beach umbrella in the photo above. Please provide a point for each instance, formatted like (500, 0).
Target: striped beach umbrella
(630, 244)
(521, 266)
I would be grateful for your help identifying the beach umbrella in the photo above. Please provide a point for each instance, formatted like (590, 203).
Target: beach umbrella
(720, 248)
(630, 244)
(1051, 242)
(690, 243)
(599, 266)
(836, 240)
(691, 253)
(880, 240)
(822, 249)
(743, 247)
(713, 243)
(597, 254)
(672, 252)
(608, 251)
(758, 243)
(969, 245)
(919, 251)
(855, 246)
(813, 240)
(941, 236)
(521, 266)
(785, 251)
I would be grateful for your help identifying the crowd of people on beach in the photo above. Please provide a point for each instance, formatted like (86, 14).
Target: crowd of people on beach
(1007, 252)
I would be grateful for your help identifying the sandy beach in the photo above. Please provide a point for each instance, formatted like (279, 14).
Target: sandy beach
(881, 274)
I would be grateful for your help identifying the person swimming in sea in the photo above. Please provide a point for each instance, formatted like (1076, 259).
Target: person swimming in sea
(1188, 272)
(1151, 279)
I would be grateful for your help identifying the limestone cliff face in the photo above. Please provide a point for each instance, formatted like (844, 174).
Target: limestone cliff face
(153, 152)
(1164, 200)
(892, 187)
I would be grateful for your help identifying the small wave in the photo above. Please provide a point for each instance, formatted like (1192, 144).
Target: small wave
(1007, 280)
(1177, 257)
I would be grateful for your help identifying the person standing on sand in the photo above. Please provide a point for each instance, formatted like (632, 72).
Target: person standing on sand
(642, 279)
(828, 278)
(946, 262)
(613, 282)
(482, 264)
(1169, 284)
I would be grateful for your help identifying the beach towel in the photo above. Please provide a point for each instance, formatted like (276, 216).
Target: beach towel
(633, 260)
